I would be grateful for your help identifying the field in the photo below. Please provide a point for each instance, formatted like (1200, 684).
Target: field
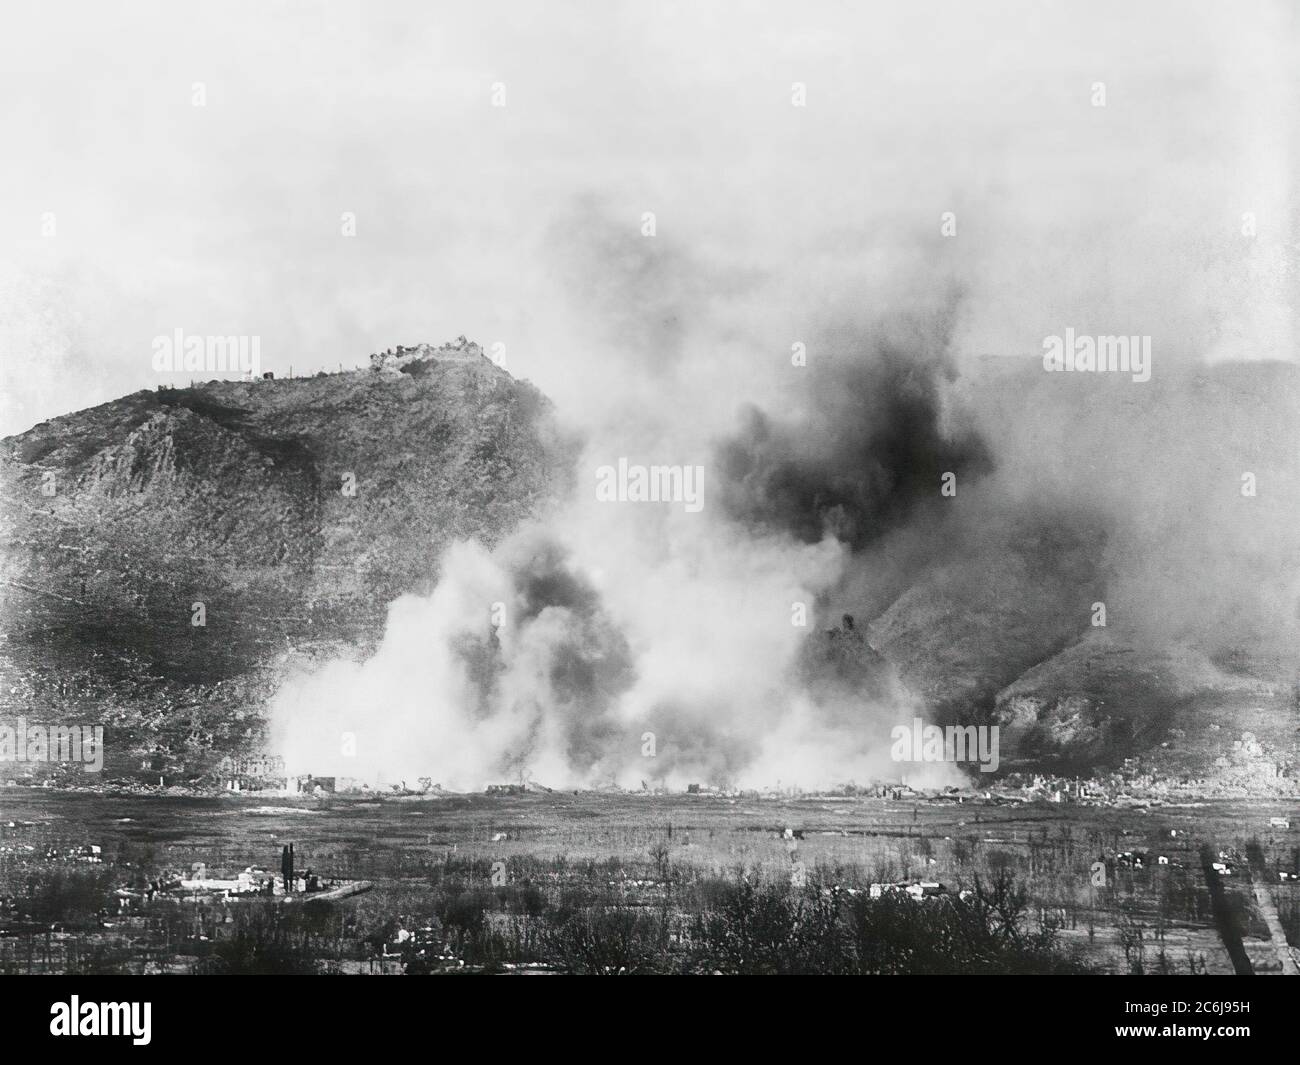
(642, 883)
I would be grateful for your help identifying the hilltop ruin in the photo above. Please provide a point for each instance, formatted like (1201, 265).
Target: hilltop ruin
(394, 359)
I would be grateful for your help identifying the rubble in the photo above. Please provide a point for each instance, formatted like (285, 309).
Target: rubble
(392, 361)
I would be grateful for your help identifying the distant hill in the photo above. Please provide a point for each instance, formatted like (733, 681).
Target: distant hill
(293, 510)
(1130, 495)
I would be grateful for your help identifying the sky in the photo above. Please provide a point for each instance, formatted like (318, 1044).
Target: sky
(127, 212)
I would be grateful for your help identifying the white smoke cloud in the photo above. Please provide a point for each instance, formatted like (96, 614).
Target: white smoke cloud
(553, 656)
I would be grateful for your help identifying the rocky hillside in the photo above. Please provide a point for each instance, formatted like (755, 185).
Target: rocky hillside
(293, 511)
(1176, 504)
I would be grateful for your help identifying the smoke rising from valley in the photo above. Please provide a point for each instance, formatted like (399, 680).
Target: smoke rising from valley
(627, 642)
(916, 255)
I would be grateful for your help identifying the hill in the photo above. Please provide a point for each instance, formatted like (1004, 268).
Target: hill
(284, 515)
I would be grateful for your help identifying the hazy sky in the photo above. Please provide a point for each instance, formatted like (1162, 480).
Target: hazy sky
(521, 224)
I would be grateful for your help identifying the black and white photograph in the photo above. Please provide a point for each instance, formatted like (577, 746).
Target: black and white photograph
(634, 488)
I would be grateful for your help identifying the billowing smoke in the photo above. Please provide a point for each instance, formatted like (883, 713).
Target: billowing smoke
(509, 666)
(829, 587)
(833, 312)
(862, 452)
(626, 642)
(524, 663)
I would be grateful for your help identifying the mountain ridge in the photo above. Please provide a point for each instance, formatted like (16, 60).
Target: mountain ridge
(292, 510)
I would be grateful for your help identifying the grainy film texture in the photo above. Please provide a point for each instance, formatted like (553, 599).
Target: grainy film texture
(622, 488)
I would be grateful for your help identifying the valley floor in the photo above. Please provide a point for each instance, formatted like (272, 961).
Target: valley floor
(602, 882)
